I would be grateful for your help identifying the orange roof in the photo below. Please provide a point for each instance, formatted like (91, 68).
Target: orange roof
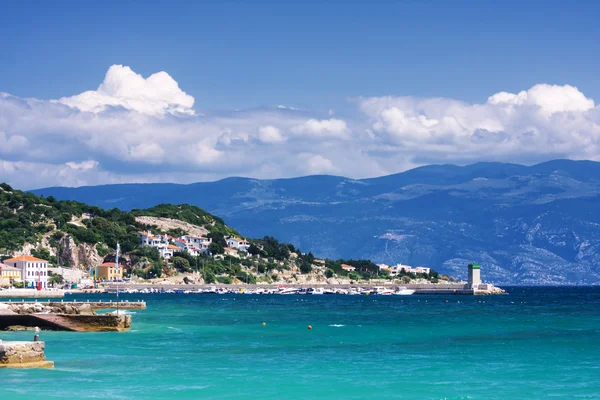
(172, 246)
(348, 267)
(230, 249)
(24, 258)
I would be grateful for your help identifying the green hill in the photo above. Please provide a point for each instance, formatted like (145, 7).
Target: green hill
(26, 218)
(46, 227)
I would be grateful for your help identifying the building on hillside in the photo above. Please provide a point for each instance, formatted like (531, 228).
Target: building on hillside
(421, 270)
(230, 252)
(34, 271)
(348, 268)
(168, 245)
(9, 274)
(390, 270)
(405, 268)
(198, 242)
(168, 251)
(109, 272)
(238, 244)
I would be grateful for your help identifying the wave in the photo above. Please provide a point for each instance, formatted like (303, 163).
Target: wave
(337, 325)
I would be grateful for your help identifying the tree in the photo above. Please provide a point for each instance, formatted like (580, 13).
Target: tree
(305, 267)
(217, 238)
(56, 279)
(329, 273)
(254, 249)
(155, 270)
(209, 277)
(181, 264)
(216, 248)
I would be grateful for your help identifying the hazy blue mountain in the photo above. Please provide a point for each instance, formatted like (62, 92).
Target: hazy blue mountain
(524, 224)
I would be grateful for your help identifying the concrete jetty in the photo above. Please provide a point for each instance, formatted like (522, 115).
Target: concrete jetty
(23, 355)
(67, 316)
(31, 294)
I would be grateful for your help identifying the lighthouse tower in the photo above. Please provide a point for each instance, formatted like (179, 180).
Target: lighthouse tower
(474, 276)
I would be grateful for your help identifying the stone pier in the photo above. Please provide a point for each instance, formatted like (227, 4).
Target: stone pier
(23, 355)
(66, 316)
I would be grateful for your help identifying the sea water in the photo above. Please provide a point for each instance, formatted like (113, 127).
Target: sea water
(530, 344)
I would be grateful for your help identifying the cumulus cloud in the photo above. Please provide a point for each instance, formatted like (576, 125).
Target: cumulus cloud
(158, 94)
(270, 134)
(136, 129)
(543, 122)
(326, 127)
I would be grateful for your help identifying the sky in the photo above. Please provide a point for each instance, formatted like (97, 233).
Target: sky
(110, 92)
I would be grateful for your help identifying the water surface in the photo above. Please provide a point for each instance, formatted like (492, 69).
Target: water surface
(532, 343)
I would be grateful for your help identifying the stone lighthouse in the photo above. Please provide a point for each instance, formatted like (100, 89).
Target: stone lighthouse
(474, 276)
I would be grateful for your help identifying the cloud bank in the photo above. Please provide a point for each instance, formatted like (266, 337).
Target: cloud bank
(136, 129)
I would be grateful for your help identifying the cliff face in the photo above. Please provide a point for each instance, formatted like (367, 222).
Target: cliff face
(72, 255)
(78, 255)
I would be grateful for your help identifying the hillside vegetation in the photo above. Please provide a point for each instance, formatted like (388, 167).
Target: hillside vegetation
(44, 223)
(27, 218)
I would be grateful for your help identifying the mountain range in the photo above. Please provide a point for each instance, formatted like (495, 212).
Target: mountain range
(535, 224)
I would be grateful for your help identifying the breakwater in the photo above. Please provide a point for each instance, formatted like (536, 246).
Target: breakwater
(439, 289)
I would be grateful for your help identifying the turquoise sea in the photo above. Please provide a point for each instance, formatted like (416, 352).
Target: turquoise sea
(531, 344)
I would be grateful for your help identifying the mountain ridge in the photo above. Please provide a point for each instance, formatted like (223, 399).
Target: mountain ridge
(533, 224)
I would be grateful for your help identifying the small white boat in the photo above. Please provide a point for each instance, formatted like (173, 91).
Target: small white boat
(403, 292)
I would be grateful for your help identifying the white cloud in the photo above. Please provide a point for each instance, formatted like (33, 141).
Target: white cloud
(82, 166)
(549, 98)
(316, 164)
(327, 127)
(270, 134)
(540, 123)
(145, 130)
(158, 94)
(12, 144)
(149, 152)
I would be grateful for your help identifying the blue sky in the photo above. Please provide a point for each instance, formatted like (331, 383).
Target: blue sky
(309, 55)
(146, 91)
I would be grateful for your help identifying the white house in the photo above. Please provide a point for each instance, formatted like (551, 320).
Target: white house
(421, 270)
(238, 244)
(198, 242)
(33, 270)
(230, 252)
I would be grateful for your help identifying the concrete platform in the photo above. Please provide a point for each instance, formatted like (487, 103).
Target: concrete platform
(23, 355)
(67, 322)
